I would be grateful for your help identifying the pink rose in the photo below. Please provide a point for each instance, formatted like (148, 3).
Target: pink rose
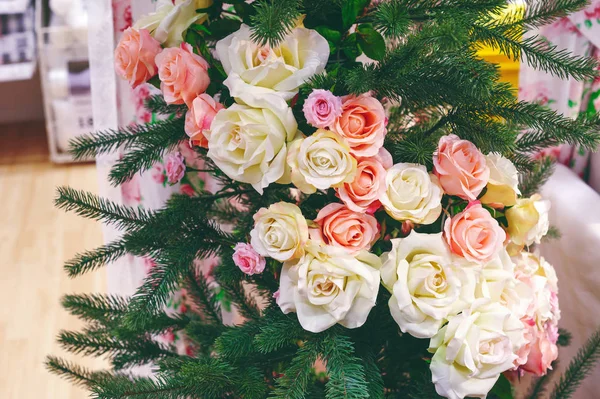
(363, 193)
(321, 108)
(175, 167)
(474, 234)
(199, 117)
(343, 228)
(182, 73)
(362, 124)
(134, 56)
(541, 354)
(247, 259)
(460, 167)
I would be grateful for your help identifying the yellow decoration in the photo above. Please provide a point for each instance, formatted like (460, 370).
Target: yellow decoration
(509, 69)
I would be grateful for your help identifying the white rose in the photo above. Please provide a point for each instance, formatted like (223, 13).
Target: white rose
(474, 348)
(320, 161)
(540, 276)
(497, 282)
(250, 144)
(261, 75)
(536, 234)
(425, 288)
(280, 232)
(503, 185)
(328, 286)
(412, 194)
(171, 19)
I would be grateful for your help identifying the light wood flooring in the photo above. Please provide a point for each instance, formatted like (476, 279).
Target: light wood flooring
(35, 240)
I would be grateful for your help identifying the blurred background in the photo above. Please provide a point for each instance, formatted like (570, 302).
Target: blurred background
(57, 82)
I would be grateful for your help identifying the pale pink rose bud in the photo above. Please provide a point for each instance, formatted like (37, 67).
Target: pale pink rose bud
(175, 167)
(460, 167)
(247, 259)
(474, 234)
(199, 117)
(362, 124)
(183, 74)
(343, 228)
(135, 56)
(321, 108)
(542, 353)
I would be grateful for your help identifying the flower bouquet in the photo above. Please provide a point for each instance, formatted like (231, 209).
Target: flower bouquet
(376, 219)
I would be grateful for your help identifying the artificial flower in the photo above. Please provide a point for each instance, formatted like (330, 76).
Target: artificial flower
(199, 118)
(247, 259)
(251, 144)
(175, 167)
(183, 74)
(172, 18)
(321, 108)
(412, 194)
(362, 194)
(474, 348)
(329, 285)
(346, 229)
(474, 234)
(134, 56)
(362, 124)
(320, 161)
(280, 232)
(528, 220)
(425, 286)
(503, 184)
(461, 167)
(264, 76)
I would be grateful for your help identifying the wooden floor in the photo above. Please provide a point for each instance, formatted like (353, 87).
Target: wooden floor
(35, 240)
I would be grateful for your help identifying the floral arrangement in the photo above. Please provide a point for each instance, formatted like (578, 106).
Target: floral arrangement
(344, 225)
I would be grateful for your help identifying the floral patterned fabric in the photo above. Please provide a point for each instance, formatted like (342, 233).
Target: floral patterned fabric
(150, 189)
(578, 33)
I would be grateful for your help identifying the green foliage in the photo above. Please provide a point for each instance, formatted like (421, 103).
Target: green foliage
(531, 182)
(273, 19)
(580, 367)
(93, 207)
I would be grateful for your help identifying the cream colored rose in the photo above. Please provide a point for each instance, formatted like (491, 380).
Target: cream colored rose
(280, 232)
(320, 161)
(412, 194)
(264, 76)
(328, 286)
(528, 220)
(474, 348)
(171, 19)
(503, 185)
(497, 281)
(425, 287)
(250, 144)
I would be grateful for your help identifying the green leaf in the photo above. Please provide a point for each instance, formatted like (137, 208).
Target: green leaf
(351, 10)
(350, 46)
(371, 42)
(502, 389)
(225, 26)
(331, 35)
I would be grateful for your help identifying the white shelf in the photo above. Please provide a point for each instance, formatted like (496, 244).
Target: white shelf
(13, 6)
(20, 71)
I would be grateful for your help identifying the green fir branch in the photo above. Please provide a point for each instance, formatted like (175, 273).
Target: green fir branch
(294, 384)
(108, 141)
(579, 368)
(73, 373)
(540, 13)
(156, 104)
(203, 297)
(346, 372)
(564, 337)
(273, 19)
(532, 181)
(536, 51)
(92, 206)
(91, 260)
(144, 152)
